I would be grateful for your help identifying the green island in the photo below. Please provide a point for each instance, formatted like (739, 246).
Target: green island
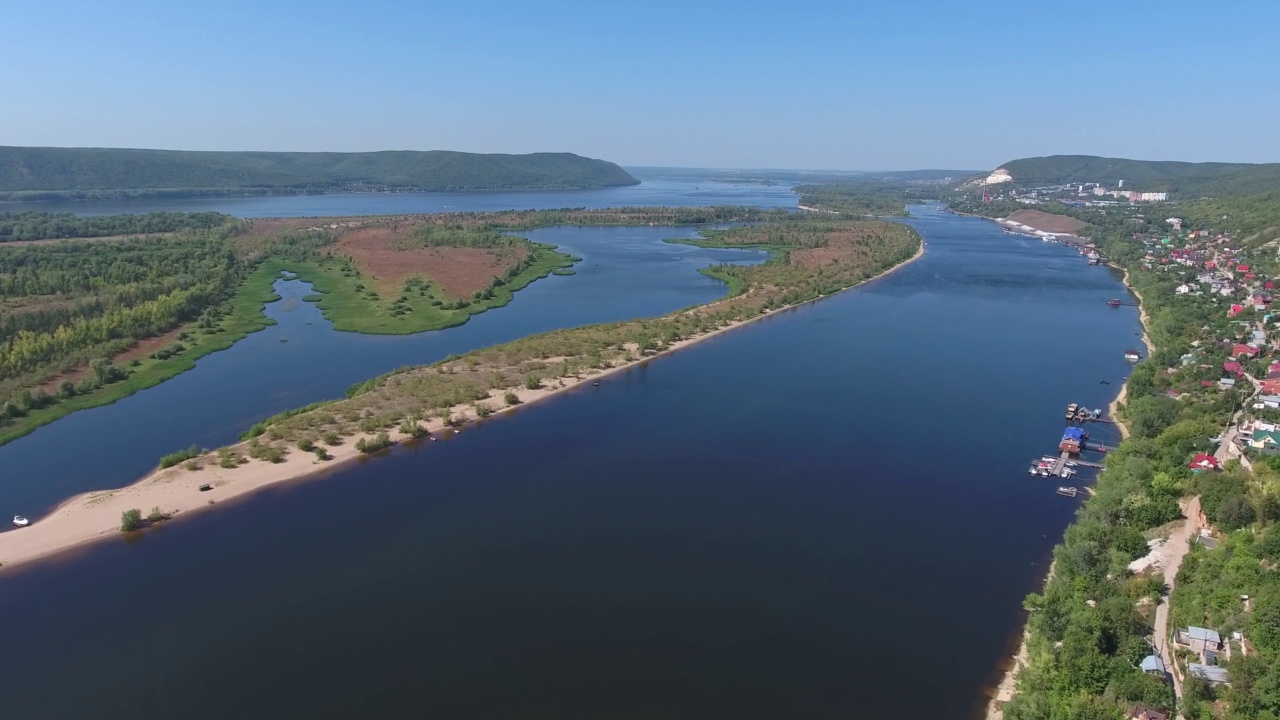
(33, 173)
(883, 199)
(1198, 473)
(95, 309)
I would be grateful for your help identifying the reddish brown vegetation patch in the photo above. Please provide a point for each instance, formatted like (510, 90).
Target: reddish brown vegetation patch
(1048, 222)
(384, 255)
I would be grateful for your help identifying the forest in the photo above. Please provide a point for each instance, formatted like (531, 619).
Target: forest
(46, 173)
(46, 226)
(68, 308)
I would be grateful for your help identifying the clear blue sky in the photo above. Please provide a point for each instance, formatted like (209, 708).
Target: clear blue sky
(822, 84)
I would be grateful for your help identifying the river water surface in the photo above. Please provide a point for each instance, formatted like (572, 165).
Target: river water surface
(824, 514)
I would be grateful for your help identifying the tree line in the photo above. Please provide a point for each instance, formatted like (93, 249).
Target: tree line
(45, 226)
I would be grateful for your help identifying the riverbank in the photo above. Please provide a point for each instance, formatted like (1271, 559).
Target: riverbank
(1008, 684)
(175, 491)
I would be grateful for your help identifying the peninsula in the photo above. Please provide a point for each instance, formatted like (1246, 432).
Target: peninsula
(44, 173)
(812, 257)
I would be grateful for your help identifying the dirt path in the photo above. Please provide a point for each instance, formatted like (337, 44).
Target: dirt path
(1179, 543)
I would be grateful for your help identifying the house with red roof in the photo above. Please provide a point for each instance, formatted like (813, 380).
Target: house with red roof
(1235, 310)
(1269, 285)
(1240, 350)
(1270, 387)
(1202, 462)
(1242, 268)
(1234, 368)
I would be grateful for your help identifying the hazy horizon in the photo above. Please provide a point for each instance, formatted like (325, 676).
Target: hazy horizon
(708, 84)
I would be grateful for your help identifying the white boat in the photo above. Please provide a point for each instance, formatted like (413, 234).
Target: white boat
(20, 521)
(1068, 491)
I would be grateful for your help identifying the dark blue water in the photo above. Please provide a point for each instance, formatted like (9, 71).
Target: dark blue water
(825, 514)
(656, 189)
(625, 273)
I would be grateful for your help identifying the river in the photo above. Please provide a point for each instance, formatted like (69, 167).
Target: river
(658, 188)
(824, 514)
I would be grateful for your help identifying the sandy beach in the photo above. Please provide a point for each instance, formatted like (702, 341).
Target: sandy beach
(175, 491)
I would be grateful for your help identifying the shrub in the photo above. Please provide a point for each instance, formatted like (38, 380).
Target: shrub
(320, 452)
(130, 520)
(193, 465)
(306, 444)
(332, 438)
(533, 382)
(483, 410)
(172, 459)
(227, 458)
(411, 428)
(511, 398)
(381, 441)
(157, 515)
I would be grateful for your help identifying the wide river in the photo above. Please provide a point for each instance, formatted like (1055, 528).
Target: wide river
(824, 514)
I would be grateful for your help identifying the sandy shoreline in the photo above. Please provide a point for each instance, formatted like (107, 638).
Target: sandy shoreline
(95, 516)
(1009, 683)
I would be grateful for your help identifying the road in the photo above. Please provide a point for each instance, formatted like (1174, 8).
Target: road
(1179, 543)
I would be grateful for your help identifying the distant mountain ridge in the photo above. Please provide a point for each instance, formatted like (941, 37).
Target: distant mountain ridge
(107, 170)
(1183, 179)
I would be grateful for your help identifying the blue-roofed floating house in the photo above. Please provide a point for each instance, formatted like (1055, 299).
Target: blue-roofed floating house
(1072, 440)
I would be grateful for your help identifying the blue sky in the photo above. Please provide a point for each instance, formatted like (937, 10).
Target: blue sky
(834, 85)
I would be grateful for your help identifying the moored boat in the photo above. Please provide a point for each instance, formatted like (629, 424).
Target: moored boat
(20, 521)
(1113, 302)
(1067, 491)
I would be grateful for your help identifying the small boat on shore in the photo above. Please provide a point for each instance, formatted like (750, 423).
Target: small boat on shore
(20, 521)
(1067, 491)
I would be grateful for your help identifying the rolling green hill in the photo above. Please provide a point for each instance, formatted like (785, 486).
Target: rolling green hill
(1185, 180)
(99, 171)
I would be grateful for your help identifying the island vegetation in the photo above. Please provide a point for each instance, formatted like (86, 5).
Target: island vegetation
(86, 322)
(78, 173)
(811, 257)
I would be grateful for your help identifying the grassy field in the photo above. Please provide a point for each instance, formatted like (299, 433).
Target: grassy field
(246, 317)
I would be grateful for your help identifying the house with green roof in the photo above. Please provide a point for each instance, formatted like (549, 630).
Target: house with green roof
(1268, 441)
